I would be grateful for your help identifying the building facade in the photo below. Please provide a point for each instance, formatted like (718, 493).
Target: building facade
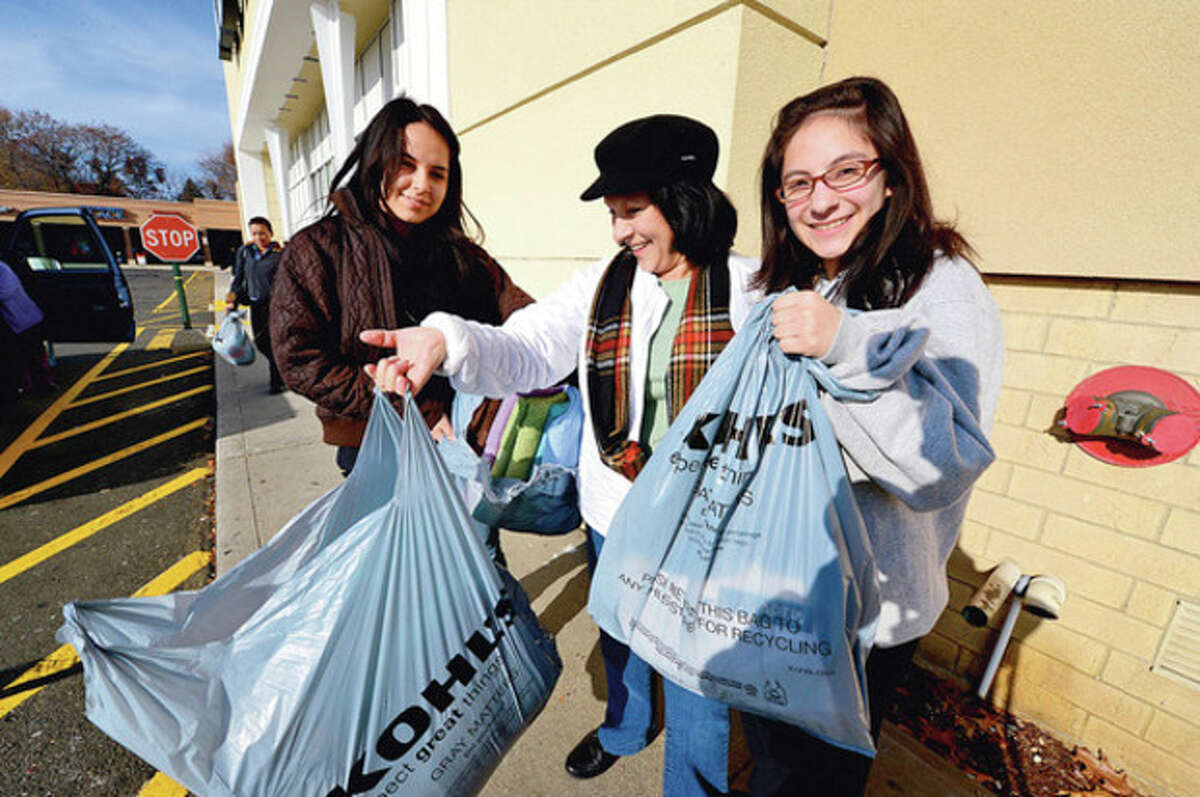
(120, 220)
(1059, 137)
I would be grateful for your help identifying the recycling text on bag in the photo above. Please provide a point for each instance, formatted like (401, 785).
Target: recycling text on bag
(738, 565)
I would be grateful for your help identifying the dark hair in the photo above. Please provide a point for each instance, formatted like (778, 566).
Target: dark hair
(886, 263)
(700, 216)
(260, 220)
(377, 156)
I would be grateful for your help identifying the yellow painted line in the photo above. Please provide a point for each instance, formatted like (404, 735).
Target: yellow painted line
(54, 481)
(138, 386)
(172, 297)
(162, 786)
(161, 340)
(65, 657)
(25, 441)
(64, 541)
(120, 416)
(148, 366)
(170, 579)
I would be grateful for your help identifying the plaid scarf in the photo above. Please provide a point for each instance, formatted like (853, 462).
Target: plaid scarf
(703, 332)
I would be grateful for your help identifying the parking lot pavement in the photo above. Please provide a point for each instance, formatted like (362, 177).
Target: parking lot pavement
(270, 463)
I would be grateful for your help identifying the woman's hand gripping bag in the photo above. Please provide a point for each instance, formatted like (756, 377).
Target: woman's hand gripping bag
(370, 647)
(738, 565)
(542, 498)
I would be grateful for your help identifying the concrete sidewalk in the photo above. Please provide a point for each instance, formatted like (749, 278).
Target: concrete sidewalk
(270, 463)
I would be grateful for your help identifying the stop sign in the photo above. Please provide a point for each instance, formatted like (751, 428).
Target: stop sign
(169, 237)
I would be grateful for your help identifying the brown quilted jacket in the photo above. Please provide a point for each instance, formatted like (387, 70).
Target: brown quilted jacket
(335, 280)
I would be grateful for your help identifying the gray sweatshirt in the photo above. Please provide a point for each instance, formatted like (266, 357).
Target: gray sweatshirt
(914, 453)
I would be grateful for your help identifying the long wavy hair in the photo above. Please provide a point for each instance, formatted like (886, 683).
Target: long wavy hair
(894, 251)
(376, 159)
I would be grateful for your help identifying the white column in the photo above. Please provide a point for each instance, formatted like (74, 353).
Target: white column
(252, 179)
(422, 52)
(334, 31)
(439, 57)
(278, 151)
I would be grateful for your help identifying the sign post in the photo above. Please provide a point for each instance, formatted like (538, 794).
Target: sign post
(173, 240)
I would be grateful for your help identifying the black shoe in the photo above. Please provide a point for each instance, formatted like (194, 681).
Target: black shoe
(275, 389)
(589, 759)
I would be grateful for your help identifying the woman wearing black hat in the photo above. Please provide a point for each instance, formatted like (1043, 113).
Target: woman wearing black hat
(644, 327)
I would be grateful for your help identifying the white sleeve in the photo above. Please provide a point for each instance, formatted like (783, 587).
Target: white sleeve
(537, 346)
(936, 365)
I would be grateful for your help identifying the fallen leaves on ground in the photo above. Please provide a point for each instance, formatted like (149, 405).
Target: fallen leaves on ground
(995, 749)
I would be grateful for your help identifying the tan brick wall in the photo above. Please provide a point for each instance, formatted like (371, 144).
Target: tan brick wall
(1125, 540)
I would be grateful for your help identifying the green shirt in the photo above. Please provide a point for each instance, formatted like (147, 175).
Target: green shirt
(655, 421)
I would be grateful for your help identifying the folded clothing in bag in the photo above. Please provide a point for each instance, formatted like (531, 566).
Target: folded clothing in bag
(523, 435)
(370, 647)
(541, 435)
(738, 565)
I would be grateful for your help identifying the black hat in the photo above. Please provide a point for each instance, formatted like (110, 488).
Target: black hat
(650, 152)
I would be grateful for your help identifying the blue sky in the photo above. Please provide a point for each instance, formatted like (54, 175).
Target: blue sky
(149, 67)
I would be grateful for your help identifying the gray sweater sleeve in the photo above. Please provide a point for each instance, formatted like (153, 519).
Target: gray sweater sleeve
(936, 363)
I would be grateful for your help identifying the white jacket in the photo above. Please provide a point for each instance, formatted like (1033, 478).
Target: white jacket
(543, 342)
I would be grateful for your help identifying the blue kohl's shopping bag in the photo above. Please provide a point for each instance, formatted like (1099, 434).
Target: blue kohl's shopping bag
(231, 341)
(371, 647)
(547, 501)
(738, 565)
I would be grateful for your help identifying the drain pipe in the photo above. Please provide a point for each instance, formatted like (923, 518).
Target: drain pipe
(1042, 595)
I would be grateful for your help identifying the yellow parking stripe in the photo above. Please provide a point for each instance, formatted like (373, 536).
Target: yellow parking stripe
(54, 481)
(169, 579)
(135, 369)
(65, 657)
(24, 442)
(172, 297)
(162, 786)
(62, 542)
(161, 340)
(120, 416)
(138, 386)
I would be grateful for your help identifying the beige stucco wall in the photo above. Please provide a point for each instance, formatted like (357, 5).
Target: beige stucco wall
(528, 134)
(1061, 135)
(1125, 540)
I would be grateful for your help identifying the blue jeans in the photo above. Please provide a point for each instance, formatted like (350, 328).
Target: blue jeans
(696, 757)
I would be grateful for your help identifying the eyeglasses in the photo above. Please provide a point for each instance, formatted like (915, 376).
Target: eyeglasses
(843, 177)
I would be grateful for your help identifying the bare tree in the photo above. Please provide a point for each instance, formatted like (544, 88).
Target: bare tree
(218, 173)
(40, 153)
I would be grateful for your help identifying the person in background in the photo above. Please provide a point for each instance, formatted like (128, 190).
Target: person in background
(642, 328)
(253, 271)
(391, 249)
(847, 219)
(23, 362)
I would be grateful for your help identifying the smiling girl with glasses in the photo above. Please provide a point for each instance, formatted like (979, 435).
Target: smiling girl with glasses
(847, 219)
